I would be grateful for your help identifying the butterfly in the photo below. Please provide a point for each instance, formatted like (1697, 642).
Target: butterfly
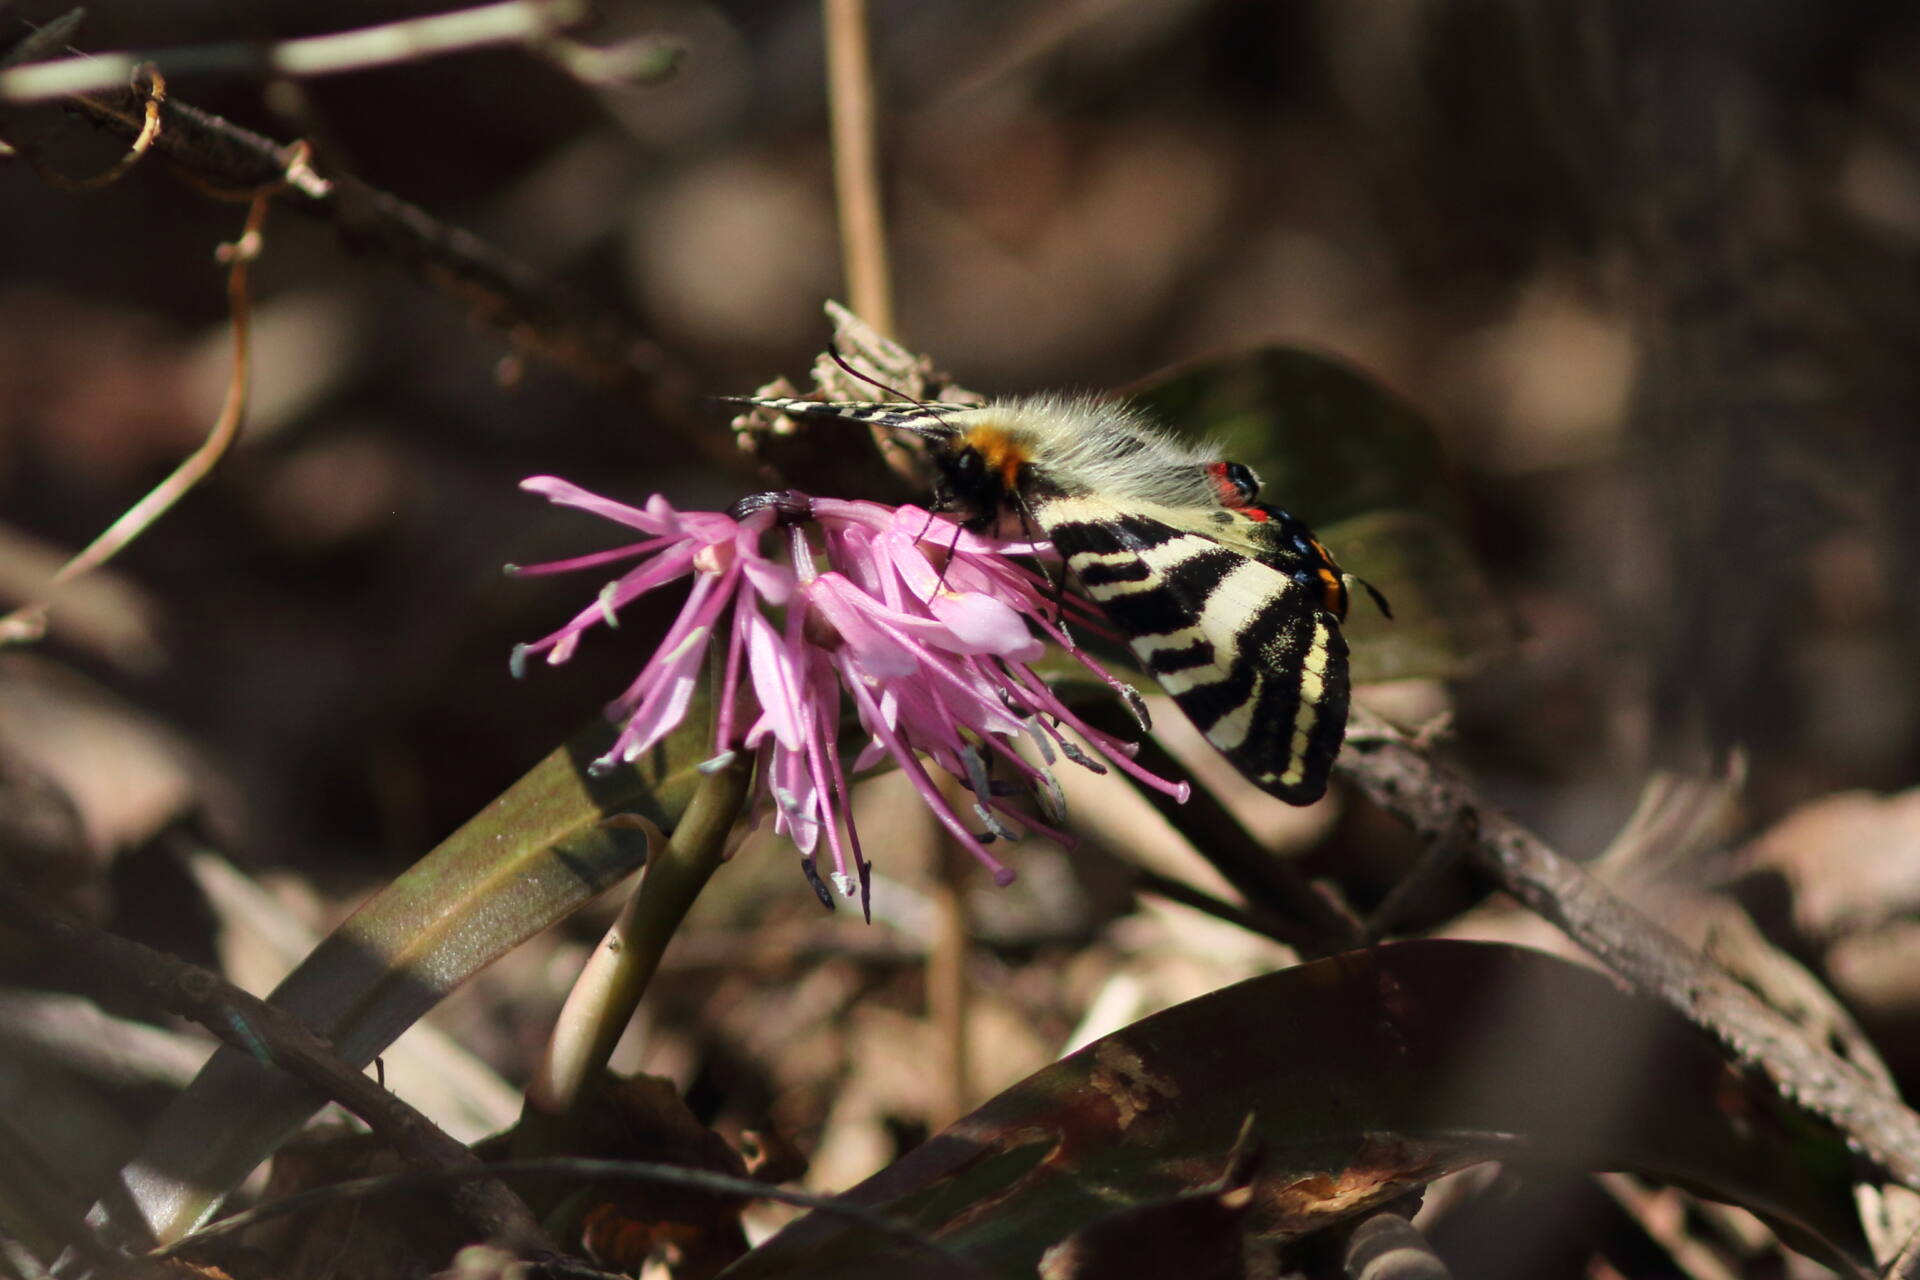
(1233, 606)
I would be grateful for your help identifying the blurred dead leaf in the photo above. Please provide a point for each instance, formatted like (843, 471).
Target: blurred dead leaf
(625, 1224)
(126, 774)
(1852, 861)
(102, 613)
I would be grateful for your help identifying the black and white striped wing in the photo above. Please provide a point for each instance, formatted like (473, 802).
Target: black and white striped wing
(1244, 647)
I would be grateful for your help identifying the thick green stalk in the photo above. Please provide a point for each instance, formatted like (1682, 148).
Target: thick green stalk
(608, 991)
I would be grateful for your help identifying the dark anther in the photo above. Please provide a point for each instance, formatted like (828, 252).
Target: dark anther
(789, 507)
(820, 889)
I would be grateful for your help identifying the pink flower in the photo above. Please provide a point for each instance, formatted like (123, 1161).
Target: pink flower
(927, 630)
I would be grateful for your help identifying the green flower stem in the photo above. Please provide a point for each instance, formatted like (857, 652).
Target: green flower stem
(608, 991)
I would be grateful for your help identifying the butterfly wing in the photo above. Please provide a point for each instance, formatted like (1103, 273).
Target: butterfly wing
(1243, 641)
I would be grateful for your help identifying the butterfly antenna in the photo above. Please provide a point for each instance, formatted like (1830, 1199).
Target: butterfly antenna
(1379, 601)
(833, 354)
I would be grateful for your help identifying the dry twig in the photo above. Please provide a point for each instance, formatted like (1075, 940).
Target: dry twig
(522, 22)
(1440, 806)
(256, 1027)
(856, 169)
(156, 90)
(540, 318)
(943, 1260)
(29, 621)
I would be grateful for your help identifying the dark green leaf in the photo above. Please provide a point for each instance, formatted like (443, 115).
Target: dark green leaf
(549, 843)
(1366, 1074)
(1365, 470)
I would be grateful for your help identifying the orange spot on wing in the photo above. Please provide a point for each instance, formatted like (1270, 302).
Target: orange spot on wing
(1333, 587)
(1334, 592)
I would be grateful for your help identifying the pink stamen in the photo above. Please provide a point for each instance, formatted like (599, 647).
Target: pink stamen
(730, 681)
(910, 765)
(593, 561)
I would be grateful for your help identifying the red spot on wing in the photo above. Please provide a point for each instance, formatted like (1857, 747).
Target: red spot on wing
(1229, 493)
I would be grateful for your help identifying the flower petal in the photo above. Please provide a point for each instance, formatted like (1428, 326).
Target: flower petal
(775, 672)
(981, 623)
(658, 518)
(796, 805)
(843, 607)
(774, 582)
(665, 705)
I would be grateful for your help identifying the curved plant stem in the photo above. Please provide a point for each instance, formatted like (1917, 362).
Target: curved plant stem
(272, 1033)
(29, 621)
(856, 168)
(616, 975)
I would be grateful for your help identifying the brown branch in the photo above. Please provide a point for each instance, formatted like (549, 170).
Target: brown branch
(1442, 807)
(255, 1027)
(539, 317)
(156, 91)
